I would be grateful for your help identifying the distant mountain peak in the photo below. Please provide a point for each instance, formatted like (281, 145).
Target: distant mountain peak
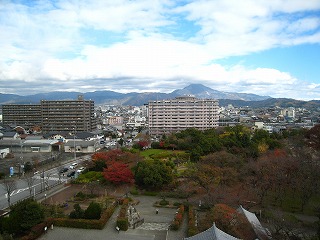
(135, 99)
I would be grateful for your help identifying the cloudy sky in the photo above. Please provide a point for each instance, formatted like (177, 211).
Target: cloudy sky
(266, 47)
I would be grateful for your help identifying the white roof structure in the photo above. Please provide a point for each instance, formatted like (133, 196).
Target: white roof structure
(260, 231)
(212, 233)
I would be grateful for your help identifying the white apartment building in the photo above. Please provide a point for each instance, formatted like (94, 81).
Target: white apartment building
(178, 114)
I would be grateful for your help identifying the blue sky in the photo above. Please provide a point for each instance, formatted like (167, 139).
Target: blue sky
(250, 46)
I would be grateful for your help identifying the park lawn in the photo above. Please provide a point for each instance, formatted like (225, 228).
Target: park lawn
(161, 154)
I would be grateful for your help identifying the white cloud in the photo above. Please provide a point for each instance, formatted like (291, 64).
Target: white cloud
(53, 42)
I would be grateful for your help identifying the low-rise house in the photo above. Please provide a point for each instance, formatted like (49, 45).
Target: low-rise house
(18, 145)
(80, 146)
(10, 135)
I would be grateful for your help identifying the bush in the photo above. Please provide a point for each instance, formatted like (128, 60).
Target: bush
(123, 224)
(164, 202)
(93, 211)
(80, 196)
(178, 218)
(77, 212)
(192, 229)
(86, 223)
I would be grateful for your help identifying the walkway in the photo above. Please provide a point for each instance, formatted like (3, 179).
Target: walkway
(155, 226)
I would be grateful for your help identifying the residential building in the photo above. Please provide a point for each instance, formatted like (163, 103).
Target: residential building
(26, 115)
(54, 115)
(178, 114)
(68, 115)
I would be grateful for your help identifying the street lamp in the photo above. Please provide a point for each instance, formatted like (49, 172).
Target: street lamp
(21, 157)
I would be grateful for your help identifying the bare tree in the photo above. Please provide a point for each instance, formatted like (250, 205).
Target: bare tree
(9, 186)
(46, 181)
(30, 180)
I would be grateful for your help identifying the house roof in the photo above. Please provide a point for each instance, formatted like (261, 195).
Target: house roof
(33, 142)
(212, 233)
(71, 143)
(259, 230)
(9, 134)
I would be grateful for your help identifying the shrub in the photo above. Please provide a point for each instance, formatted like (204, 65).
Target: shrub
(178, 218)
(164, 202)
(86, 223)
(77, 212)
(93, 211)
(123, 224)
(80, 196)
(192, 229)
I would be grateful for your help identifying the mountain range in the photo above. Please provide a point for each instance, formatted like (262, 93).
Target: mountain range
(139, 99)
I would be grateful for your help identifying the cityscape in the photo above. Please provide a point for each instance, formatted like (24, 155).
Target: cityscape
(160, 120)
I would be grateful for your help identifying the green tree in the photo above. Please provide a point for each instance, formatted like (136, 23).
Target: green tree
(77, 212)
(93, 211)
(153, 173)
(23, 216)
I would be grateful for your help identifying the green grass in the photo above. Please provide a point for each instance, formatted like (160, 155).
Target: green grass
(161, 154)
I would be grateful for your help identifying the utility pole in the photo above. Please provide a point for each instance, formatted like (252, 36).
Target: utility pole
(74, 142)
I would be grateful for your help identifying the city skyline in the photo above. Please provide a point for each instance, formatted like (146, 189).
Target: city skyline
(262, 47)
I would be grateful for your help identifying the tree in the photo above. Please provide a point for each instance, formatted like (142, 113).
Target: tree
(29, 179)
(313, 137)
(93, 211)
(205, 175)
(9, 186)
(118, 173)
(23, 216)
(153, 173)
(230, 221)
(77, 212)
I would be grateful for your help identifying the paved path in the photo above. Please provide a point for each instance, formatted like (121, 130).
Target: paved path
(155, 226)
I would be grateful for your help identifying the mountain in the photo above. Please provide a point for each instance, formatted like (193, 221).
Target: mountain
(201, 91)
(139, 99)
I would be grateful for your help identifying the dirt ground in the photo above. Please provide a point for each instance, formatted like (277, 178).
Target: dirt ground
(67, 194)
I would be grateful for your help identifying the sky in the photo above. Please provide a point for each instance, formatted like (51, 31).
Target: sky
(265, 47)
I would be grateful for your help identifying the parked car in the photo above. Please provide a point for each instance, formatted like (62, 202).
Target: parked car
(73, 165)
(63, 170)
(71, 174)
(80, 170)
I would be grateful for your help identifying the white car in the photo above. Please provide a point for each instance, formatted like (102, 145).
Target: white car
(80, 170)
(73, 165)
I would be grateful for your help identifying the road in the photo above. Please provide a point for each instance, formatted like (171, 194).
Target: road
(39, 183)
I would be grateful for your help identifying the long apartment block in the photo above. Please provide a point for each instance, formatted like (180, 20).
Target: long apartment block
(64, 115)
(178, 114)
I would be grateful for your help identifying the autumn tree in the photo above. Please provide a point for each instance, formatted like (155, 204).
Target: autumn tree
(313, 137)
(118, 173)
(102, 159)
(230, 221)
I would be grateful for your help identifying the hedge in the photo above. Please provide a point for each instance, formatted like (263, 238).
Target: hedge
(37, 230)
(122, 220)
(86, 223)
(178, 219)
(192, 229)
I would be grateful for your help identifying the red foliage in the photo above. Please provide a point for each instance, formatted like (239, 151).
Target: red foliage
(143, 144)
(118, 173)
(161, 144)
(116, 155)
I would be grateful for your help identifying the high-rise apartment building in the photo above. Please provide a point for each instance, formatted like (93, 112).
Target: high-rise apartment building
(27, 115)
(62, 115)
(178, 114)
